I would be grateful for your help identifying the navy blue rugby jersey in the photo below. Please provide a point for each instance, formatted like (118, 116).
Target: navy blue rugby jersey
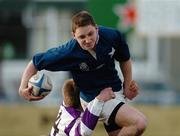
(90, 75)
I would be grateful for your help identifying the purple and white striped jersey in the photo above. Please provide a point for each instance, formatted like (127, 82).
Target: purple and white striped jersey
(72, 122)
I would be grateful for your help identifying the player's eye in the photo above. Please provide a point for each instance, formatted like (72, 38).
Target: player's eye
(90, 34)
(82, 37)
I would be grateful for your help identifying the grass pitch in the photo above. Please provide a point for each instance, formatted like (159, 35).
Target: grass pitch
(31, 120)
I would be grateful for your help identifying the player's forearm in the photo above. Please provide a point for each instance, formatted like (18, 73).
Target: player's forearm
(126, 69)
(27, 74)
(90, 117)
(95, 107)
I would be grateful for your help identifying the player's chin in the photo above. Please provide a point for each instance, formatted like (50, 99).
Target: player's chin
(89, 46)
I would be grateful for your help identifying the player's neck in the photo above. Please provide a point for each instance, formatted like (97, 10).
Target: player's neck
(93, 53)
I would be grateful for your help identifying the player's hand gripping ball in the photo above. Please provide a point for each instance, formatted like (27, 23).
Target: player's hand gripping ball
(41, 84)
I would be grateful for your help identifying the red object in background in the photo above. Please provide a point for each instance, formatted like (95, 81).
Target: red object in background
(129, 15)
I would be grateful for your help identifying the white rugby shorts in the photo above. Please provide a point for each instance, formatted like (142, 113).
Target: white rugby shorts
(108, 106)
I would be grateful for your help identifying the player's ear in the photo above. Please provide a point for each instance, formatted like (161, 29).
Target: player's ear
(73, 35)
(97, 27)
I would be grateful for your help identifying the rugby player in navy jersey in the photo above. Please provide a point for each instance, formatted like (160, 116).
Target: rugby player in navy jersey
(90, 57)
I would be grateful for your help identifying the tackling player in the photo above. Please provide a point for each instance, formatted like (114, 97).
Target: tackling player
(71, 120)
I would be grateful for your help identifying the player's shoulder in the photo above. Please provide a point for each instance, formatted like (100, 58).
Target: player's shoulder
(67, 47)
(109, 32)
(104, 28)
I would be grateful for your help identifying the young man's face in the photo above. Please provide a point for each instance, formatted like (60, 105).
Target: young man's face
(86, 36)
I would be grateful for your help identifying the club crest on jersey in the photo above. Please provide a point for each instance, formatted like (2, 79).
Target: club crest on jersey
(83, 66)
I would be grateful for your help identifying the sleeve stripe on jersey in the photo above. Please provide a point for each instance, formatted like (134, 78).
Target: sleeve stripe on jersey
(69, 127)
(73, 112)
(84, 130)
(77, 130)
(89, 119)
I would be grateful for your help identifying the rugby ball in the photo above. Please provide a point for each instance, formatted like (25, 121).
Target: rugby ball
(41, 84)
